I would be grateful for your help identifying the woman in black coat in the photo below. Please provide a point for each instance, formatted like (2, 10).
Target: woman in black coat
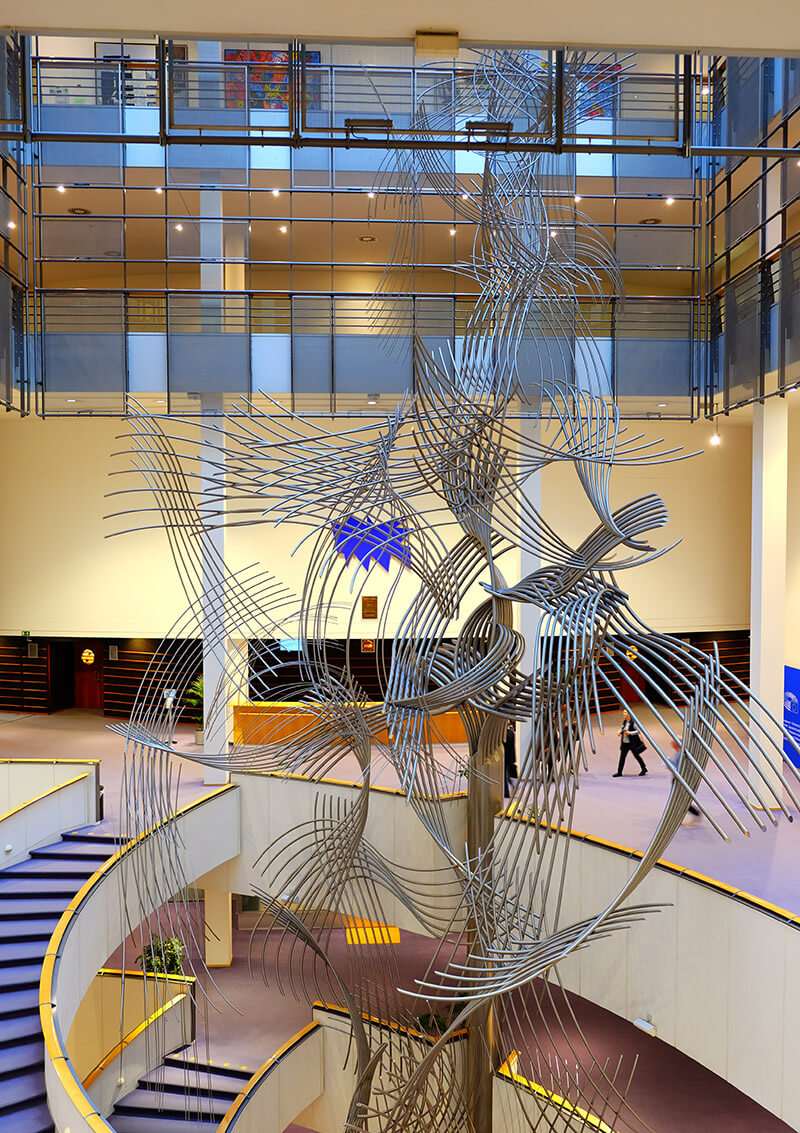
(630, 741)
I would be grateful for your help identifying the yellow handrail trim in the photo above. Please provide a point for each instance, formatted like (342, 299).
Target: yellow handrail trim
(44, 795)
(116, 1051)
(721, 887)
(251, 1085)
(556, 1099)
(54, 1050)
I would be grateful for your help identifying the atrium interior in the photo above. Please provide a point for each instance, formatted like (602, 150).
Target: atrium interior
(299, 339)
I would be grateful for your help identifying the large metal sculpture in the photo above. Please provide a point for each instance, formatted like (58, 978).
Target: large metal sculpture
(440, 482)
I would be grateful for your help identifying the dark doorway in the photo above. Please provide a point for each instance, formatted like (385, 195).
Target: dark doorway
(89, 674)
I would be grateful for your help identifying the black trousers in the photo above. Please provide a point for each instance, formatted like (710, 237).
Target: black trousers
(623, 752)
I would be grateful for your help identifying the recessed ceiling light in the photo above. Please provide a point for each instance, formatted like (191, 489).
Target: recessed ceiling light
(578, 199)
(159, 403)
(452, 231)
(662, 405)
(283, 228)
(70, 401)
(368, 238)
(179, 228)
(798, 163)
(158, 189)
(670, 200)
(704, 90)
(372, 399)
(371, 195)
(60, 189)
(12, 224)
(716, 439)
(651, 220)
(78, 211)
(465, 196)
(276, 192)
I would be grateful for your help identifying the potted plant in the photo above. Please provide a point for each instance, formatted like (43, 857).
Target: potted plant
(162, 956)
(194, 700)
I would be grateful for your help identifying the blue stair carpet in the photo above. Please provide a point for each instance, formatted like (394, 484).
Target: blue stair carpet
(33, 895)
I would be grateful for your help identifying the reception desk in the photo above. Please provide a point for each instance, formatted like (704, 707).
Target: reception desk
(274, 721)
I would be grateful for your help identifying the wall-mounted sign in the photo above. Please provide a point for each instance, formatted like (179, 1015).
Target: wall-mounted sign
(366, 540)
(369, 607)
(367, 644)
(87, 656)
(791, 711)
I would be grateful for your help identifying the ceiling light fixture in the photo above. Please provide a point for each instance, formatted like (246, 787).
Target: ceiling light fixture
(78, 211)
(704, 90)
(60, 189)
(179, 228)
(70, 401)
(368, 238)
(158, 190)
(284, 229)
(372, 398)
(12, 224)
(577, 198)
(716, 439)
(371, 195)
(276, 192)
(651, 220)
(670, 200)
(662, 405)
(452, 231)
(465, 196)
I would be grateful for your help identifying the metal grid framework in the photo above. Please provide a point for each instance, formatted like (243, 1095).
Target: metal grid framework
(497, 907)
(624, 134)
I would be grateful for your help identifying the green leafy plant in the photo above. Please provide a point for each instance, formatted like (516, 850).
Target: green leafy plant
(162, 956)
(194, 700)
(430, 1023)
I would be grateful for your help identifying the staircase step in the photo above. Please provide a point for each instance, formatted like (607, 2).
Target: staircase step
(15, 1003)
(182, 1063)
(80, 868)
(19, 976)
(35, 1118)
(112, 840)
(72, 850)
(14, 952)
(162, 1104)
(21, 931)
(199, 1080)
(22, 1029)
(17, 1093)
(21, 1056)
(64, 887)
(31, 908)
(156, 1123)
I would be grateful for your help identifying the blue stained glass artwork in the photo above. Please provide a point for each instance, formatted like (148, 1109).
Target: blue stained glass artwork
(366, 540)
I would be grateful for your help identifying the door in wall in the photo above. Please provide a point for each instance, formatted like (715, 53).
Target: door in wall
(88, 674)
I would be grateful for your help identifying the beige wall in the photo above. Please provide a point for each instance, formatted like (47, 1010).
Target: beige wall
(792, 644)
(61, 575)
(735, 26)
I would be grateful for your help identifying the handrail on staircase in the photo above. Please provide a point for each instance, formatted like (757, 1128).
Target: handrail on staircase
(54, 1043)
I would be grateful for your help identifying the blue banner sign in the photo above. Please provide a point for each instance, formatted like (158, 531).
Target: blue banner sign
(791, 711)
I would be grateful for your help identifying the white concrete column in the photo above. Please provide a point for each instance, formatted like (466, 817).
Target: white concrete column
(218, 907)
(768, 564)
(529, 615)
(216, 713)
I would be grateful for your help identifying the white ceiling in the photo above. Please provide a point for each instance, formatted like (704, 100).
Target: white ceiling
(727, 26)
